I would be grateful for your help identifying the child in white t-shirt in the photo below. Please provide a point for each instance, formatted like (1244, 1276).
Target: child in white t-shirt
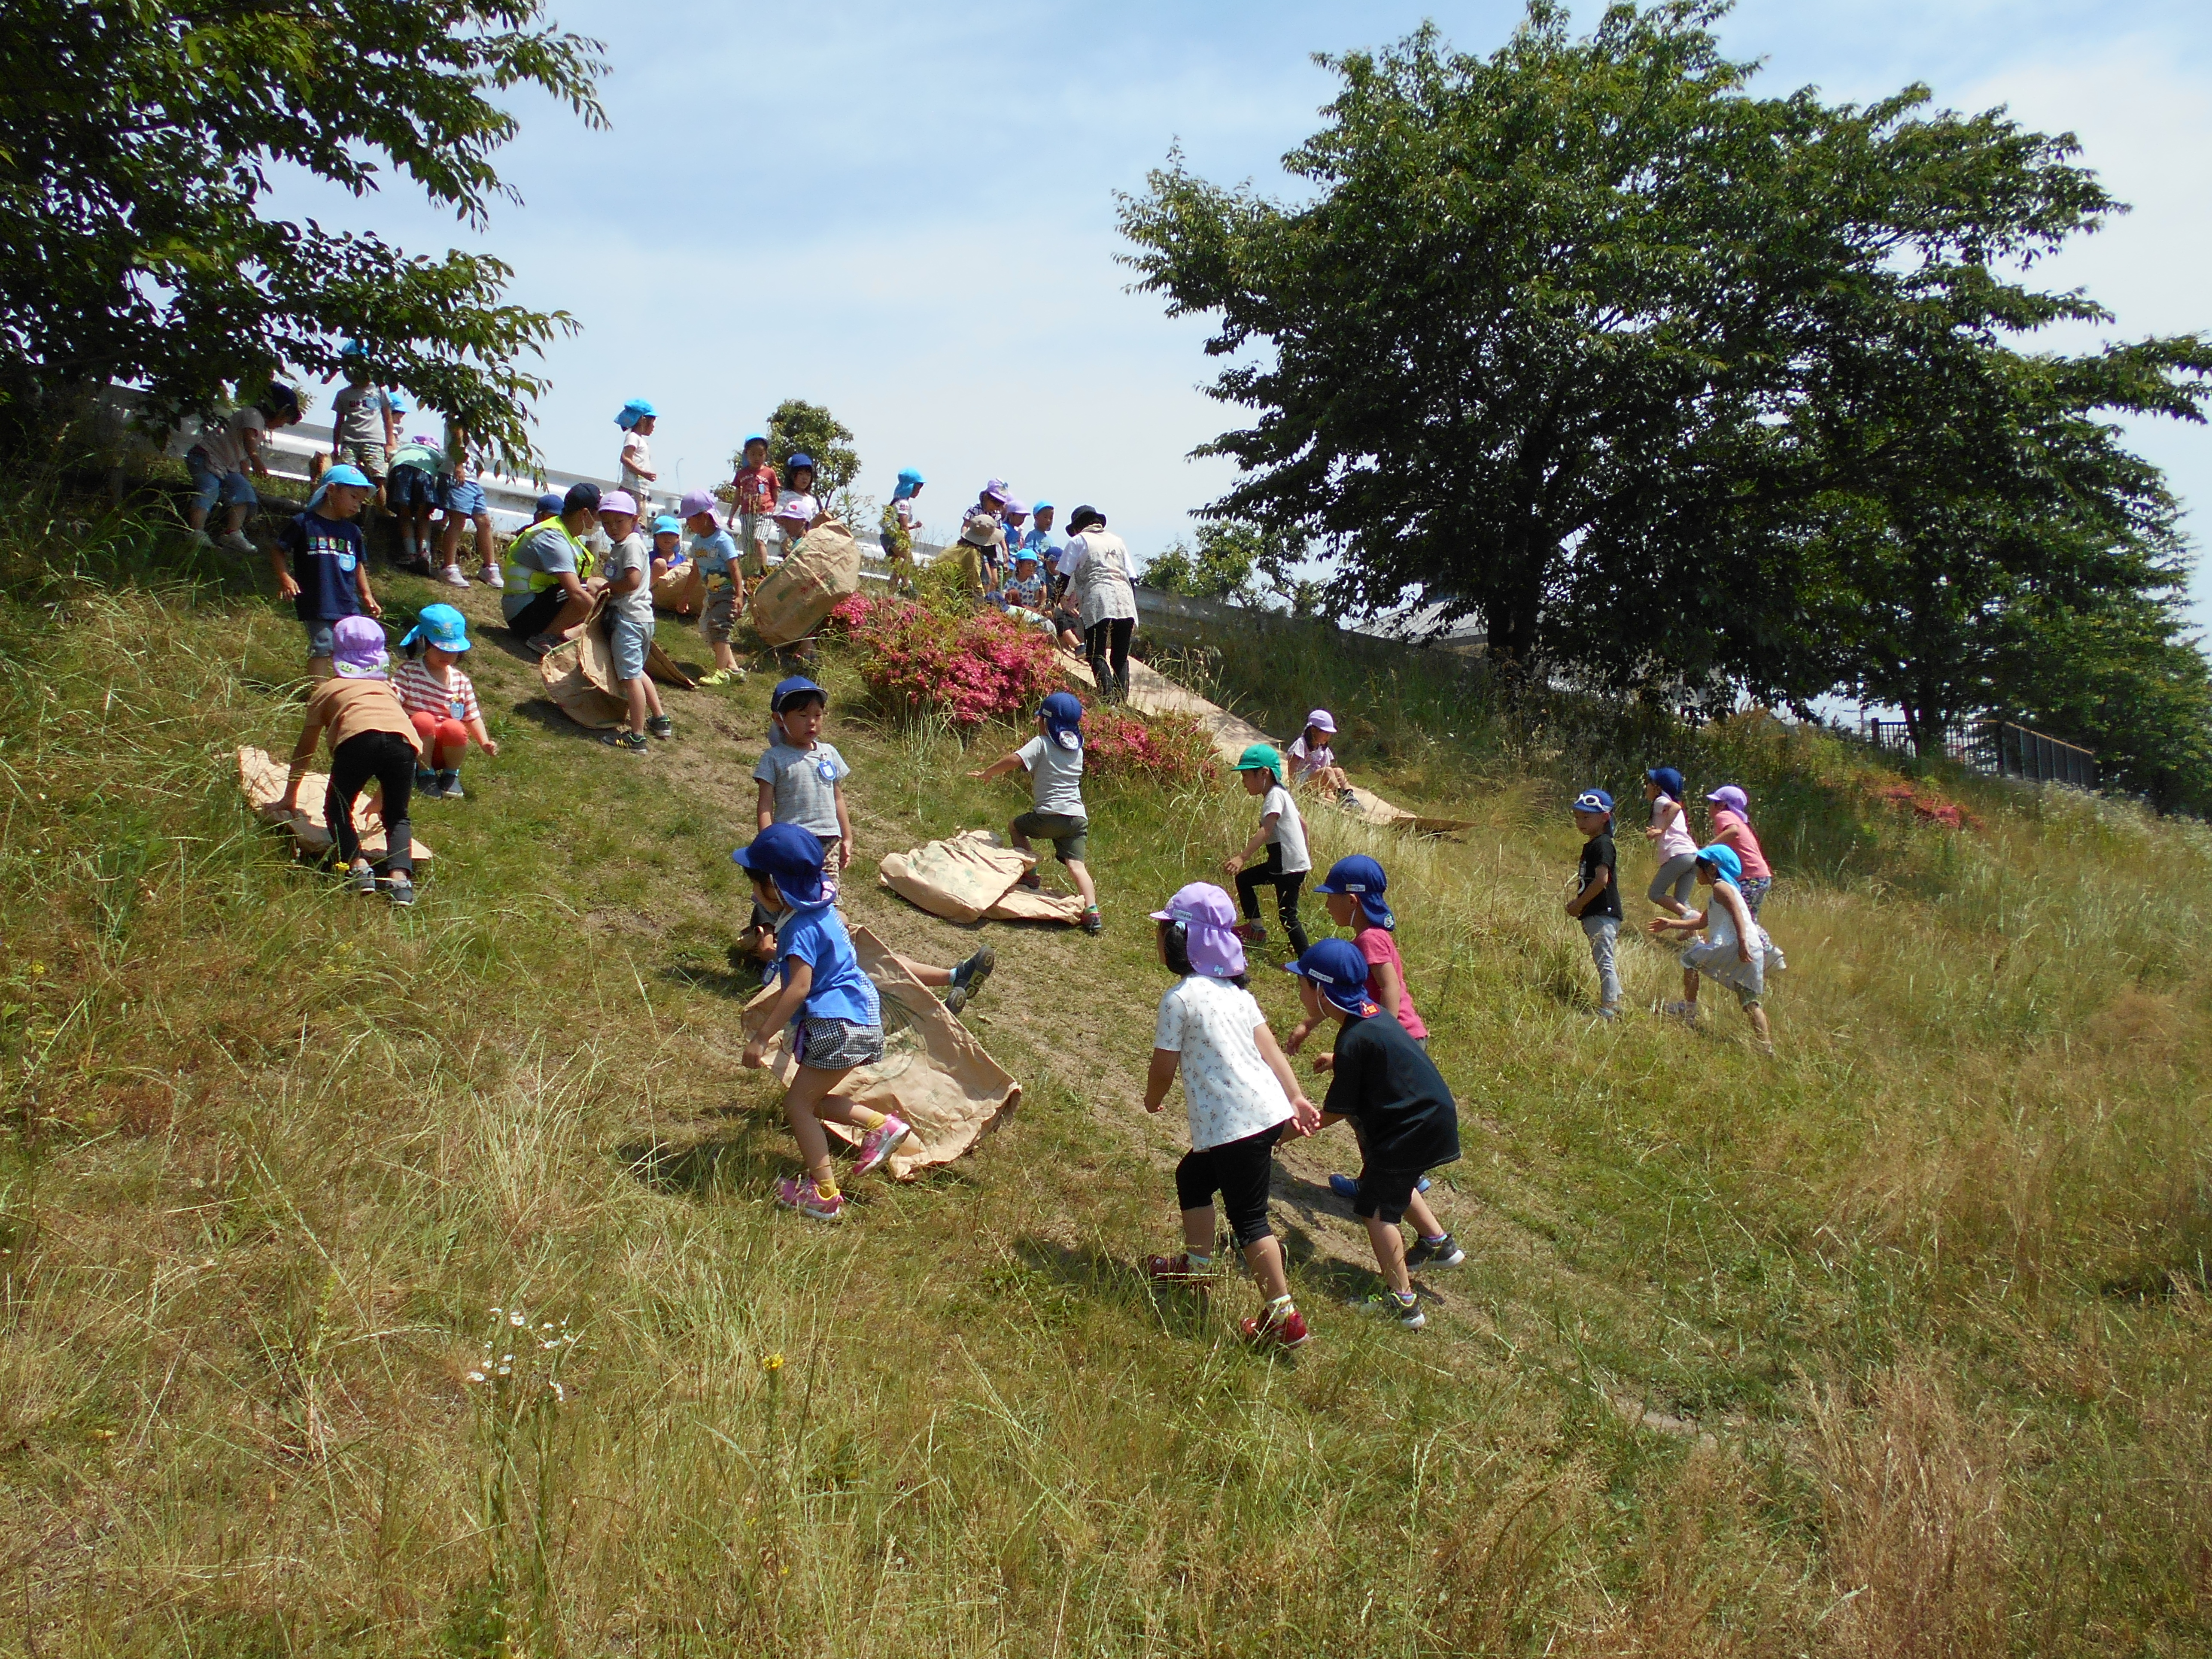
(1055, 760)
(1313, 760)
(1282, 833)
(797, 512)
(633, 472)
(1242, 1097)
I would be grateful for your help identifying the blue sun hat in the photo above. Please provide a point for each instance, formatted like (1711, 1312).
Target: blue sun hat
(908, 482)
(1593, 800)
(1726, 866)
(790, 856)
(1669, 780)
(549, 507)
(339, 475)
(668, 525)
(788, 691)
(1063, 719)
(439, 625)
(797, 459)
(634, 411)
(1362, 877)
(1339, 972)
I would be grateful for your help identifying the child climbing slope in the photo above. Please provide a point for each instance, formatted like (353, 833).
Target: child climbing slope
(1399, 1104)
(1282, 832)
(1735, 952)
(371, 739)
(1677, 848)
(1240, 1093)
(1055, 760)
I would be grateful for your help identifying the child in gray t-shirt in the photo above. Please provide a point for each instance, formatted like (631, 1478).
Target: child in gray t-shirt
(801, 781)
(1054, 761)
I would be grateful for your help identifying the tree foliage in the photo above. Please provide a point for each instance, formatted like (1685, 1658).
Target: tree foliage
(798, 427)
(138, 139)
(1240, 563)
(1670, 385)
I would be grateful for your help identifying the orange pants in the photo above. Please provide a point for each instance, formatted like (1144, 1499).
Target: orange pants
(444, 740)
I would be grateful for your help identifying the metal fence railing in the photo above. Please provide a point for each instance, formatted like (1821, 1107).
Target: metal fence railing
(2003, 748)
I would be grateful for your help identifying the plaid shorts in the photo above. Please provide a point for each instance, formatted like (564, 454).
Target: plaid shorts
(832, 1045)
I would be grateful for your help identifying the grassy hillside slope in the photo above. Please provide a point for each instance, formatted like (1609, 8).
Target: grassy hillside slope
(1894, 1344)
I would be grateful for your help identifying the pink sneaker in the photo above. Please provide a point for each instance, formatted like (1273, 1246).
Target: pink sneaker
(1268, 1329)
(799, 1192)
(880, 1143)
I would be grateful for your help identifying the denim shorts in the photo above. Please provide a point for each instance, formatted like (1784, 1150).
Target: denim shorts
(322, 638)
(412, 486)
(462, 498)
(209, 486)
(626, 642)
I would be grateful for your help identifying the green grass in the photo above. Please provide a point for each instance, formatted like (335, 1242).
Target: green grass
(1894, 1344)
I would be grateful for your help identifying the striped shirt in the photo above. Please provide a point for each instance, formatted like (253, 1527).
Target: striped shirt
(420, 694)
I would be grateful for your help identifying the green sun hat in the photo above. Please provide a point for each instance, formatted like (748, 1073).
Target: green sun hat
(1261, 757)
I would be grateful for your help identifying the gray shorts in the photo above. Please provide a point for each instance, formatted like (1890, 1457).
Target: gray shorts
(1679, 872)
(322, 638)
(626, 642)
(1720, 962)
(834, 1045)
(1069, 835)
(719, 615)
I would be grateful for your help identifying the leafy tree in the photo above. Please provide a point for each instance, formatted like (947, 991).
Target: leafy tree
(137, 142)
(1240, 563)
(1532, 349)
(798, 427)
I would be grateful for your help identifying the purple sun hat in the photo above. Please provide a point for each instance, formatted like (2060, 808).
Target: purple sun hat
(358, 648)
(1209, 922)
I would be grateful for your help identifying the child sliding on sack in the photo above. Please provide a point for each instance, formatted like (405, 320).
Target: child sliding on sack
(1240, 1093)
(833, 1009)
(1055, 760)
(1283, 833)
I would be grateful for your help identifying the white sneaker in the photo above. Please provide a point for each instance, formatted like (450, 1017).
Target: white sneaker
(237, 543)
(1684, 1010)
(453, 577)
(489, 577)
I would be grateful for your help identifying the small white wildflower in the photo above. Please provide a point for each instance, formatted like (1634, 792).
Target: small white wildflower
(475, 1376)
(505, 1370)
(518, 1317)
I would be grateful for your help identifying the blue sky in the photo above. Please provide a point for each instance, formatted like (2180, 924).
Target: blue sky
(906, 212)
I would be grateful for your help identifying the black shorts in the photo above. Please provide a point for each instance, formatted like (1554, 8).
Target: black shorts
(411, 486)
(535, 616)
(1240, 1171)
(1384, 1194)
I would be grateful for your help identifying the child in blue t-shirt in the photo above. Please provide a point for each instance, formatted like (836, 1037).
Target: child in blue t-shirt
(321, 561)
(835, 1012)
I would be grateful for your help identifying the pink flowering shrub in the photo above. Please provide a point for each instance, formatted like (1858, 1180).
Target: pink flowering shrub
(968, 667)
(1170, 749)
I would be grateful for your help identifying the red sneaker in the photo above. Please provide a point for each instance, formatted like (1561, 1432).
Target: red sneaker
(1269, 1329)
(1175, 1270)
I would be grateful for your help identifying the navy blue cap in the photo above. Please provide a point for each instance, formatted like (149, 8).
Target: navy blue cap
(790, 856)
(788, 691)
(1593, 801)
(1362, 877)
(1339, 972)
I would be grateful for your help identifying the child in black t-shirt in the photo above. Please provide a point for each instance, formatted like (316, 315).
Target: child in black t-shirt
(1400, 1106)
(1596, 902)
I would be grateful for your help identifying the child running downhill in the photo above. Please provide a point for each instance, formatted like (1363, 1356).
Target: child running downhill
(1735, 951)
(1400, 1107)
(1732, 827)
(441, 700)
(1283, 833)
(1354, 892)
(834, 1009)
(1055, 760)
(1239, 1091)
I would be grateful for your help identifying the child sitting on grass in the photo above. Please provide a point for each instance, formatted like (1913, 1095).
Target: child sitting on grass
(799, 780)
(629, 624)
(1732, 827)
(719, 563)
(1735, 951)
(1678, 850)
(1313, 761)
(371, 736)
(1055, 760)
(321, 561)
(834, 1009)
(1239, 1091)
(1400, 1106)
(1596, 902)
(1353, 894)
(441, 700)
(1283, 833)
